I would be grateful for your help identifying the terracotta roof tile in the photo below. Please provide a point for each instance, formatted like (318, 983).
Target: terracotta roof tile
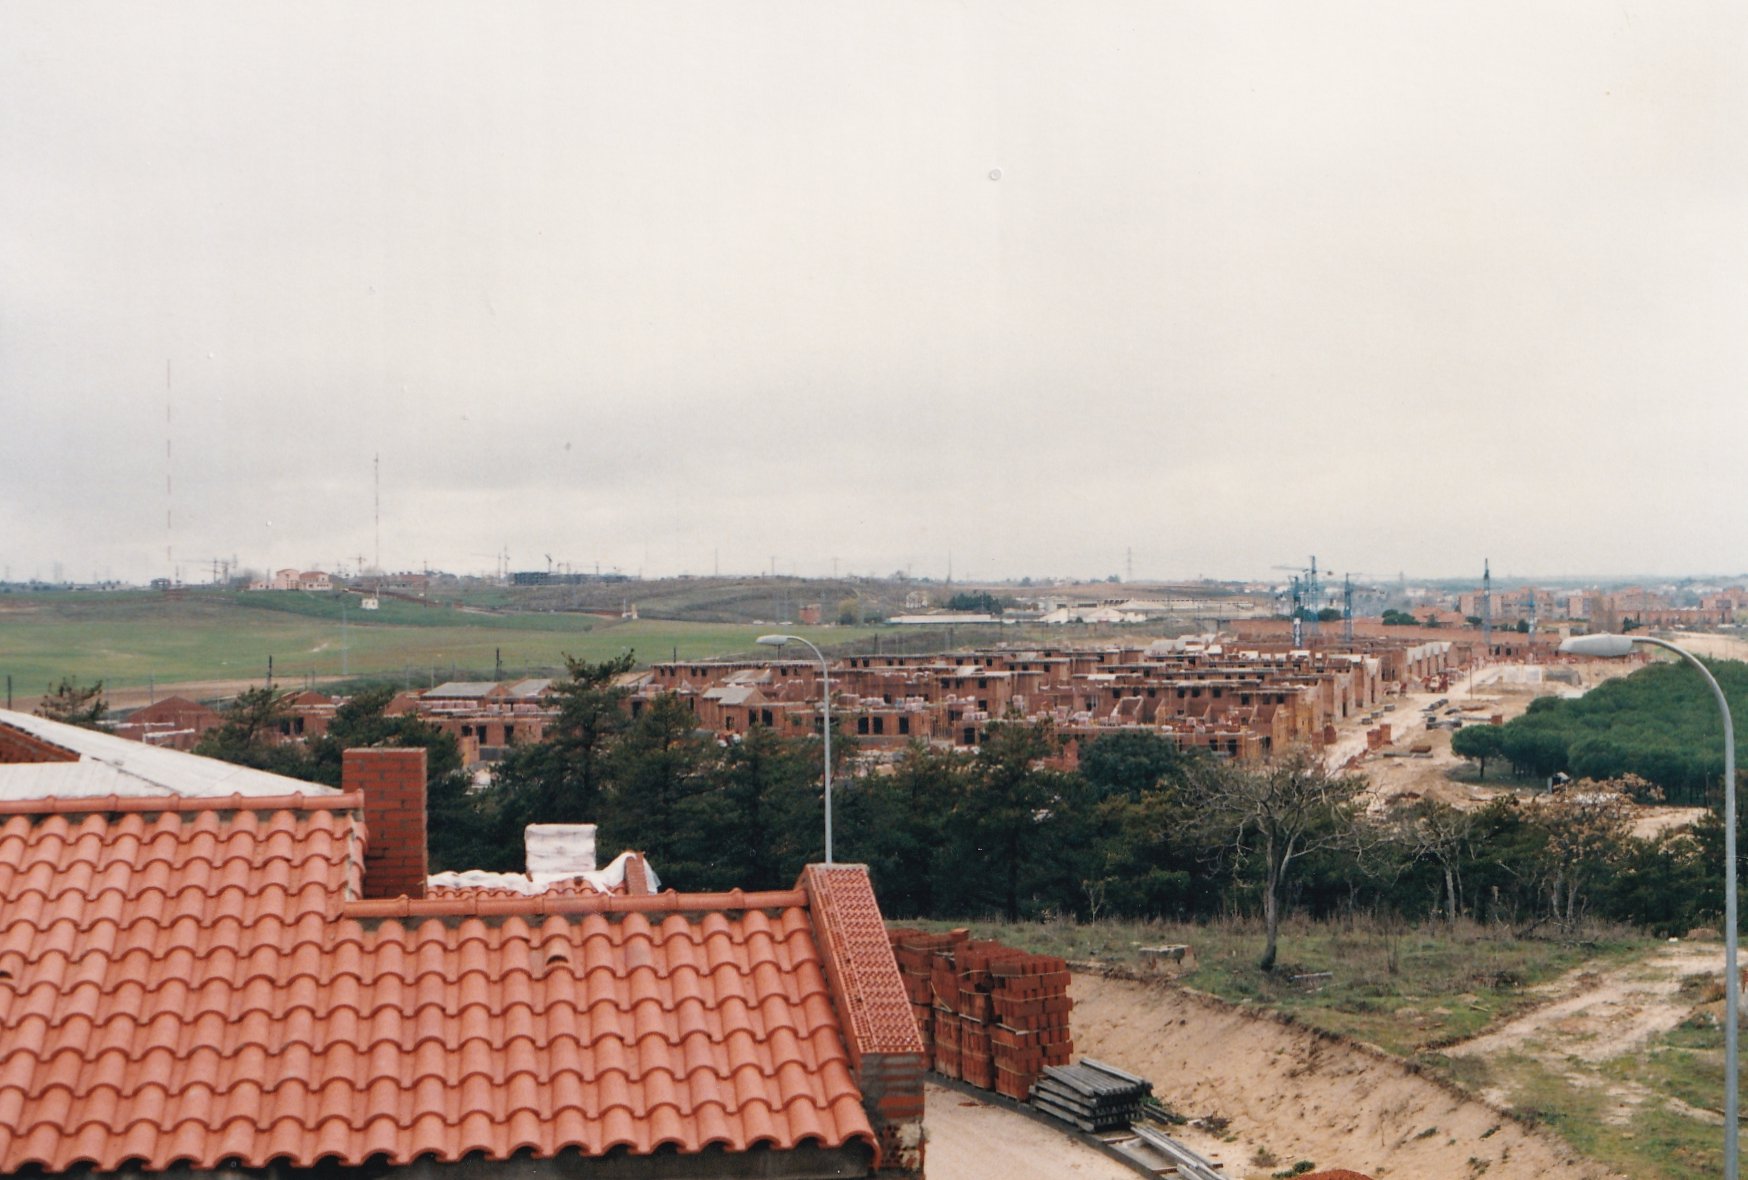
(195, 984)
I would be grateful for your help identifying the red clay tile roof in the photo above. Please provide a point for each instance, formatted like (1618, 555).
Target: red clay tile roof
(859, 957)
(191, 982)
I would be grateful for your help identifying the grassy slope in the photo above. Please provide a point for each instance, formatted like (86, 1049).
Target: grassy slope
(129, 638)
(1404, 989)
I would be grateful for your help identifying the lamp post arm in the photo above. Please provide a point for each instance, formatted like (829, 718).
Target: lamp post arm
(1732, 976)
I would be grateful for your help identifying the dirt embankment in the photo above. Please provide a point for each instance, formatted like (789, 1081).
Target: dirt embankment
(1289, 1093)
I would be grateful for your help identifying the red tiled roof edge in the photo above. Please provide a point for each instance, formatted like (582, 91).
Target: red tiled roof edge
(668, 902)
(153, 804)
(885, 1046)
(860, 965)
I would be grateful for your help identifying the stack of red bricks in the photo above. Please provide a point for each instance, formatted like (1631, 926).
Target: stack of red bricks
(915, 951)
(994, 1016)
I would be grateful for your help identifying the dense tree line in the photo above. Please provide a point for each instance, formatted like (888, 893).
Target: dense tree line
(1138, 829)
(1660, 724)
(250, 736)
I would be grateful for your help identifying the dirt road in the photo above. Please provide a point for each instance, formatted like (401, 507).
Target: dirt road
(1287, 1093)
(972, 1140)
(1593, 1017)
(1505, 690)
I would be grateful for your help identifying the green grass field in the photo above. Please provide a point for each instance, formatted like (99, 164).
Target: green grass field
(133, 638)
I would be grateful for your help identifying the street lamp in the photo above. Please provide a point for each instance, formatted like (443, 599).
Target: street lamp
(825, 677)
(1606, 646)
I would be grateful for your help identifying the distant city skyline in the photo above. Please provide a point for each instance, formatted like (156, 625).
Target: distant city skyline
(1330, 583)
(1052, 289)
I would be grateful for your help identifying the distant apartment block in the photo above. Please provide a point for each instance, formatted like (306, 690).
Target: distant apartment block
(314, 581)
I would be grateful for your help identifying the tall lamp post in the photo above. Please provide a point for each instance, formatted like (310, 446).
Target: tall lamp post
(825, 679)
(1620, 645)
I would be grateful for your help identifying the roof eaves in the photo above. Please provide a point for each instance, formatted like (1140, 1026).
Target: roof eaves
(154, 804)
(668, 902)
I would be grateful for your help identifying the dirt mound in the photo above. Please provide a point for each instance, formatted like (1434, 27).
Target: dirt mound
(1280, 1091)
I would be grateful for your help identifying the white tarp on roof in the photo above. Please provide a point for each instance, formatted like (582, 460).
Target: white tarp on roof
(603, 880)
(111, 765)
(559, 849)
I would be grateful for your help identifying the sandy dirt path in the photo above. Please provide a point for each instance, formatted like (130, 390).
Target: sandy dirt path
(972, 1140)
(1593, 1017)
(1288, 1093)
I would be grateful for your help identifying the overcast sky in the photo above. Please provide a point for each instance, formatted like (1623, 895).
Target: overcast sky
(672, 287)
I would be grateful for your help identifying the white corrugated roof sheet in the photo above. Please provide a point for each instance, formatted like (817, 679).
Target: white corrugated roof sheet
(461, 689)
(111, 765)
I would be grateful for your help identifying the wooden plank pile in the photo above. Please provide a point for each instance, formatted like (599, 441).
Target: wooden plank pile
(990, 1015)
(1092, 1095)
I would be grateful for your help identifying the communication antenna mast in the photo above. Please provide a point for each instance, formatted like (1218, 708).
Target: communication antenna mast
(1486, 608)
(169, 491)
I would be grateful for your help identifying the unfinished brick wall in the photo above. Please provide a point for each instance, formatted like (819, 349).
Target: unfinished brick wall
(393, 784)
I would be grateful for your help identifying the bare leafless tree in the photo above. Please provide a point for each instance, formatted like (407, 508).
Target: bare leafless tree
(1429, 830)
(1277, 814)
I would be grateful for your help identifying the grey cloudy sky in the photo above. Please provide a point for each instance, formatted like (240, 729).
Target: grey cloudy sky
(662, 286)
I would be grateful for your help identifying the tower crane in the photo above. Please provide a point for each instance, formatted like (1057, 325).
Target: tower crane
(1304, 591)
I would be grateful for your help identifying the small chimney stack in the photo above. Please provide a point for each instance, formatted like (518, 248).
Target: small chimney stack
(393, 784)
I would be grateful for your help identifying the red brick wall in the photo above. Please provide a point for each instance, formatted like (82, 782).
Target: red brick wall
(393, 784)
(18, 746)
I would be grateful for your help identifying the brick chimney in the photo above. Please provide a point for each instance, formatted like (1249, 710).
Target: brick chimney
(393, 784)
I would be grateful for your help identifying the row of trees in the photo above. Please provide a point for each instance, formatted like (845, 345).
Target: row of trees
(1139, 829)
(1660, 724)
